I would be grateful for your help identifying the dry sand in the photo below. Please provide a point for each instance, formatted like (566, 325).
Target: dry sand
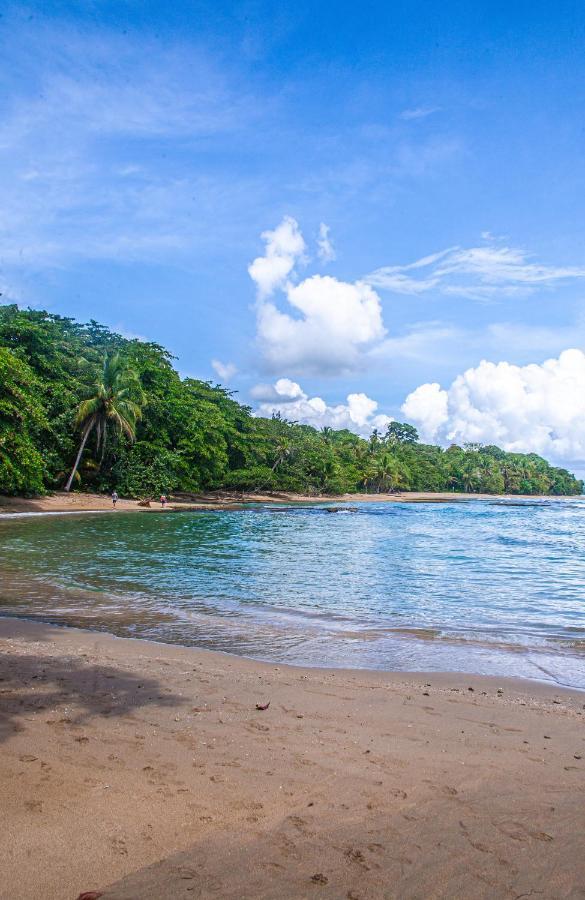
(85, 502)
(148, 768)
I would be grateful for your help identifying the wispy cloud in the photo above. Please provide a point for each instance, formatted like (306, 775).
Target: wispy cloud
(90, 123)
(225, 371)
(418, 112)
(420, 342)
(479, 273)
(325, 248)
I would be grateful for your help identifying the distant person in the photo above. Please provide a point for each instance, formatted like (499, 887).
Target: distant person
(163, 500)
(114, 498)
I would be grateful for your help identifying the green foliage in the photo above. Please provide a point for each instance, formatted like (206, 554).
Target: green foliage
(167, 434)
(401, 433)
(148, 470)
(21, 418)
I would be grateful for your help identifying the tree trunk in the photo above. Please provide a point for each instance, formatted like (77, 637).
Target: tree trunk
(104, 439)
(79, 452)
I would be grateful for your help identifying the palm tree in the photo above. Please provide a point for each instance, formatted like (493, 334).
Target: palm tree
(115, 399)
(374, 441)
(470, 478)
(387, 473)
(283, 450)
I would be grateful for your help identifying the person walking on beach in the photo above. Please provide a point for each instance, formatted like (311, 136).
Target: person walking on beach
(114, 498)
(163, 500)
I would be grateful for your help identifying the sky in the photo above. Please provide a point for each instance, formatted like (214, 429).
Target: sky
(343, 212)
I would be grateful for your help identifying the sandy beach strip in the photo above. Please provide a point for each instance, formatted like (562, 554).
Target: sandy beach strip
(61, 502)
(146, 771)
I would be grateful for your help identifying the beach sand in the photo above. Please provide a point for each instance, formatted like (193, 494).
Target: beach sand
(86, 502)
(146, 771)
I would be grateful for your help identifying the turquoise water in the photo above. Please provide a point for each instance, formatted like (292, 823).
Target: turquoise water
(492, 587)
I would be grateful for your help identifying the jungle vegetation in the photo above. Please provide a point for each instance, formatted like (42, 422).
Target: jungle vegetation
(84, 407)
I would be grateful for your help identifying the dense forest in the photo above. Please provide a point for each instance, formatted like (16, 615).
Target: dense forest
(83, 407)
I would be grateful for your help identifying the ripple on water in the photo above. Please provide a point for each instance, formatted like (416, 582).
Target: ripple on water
(491, 587)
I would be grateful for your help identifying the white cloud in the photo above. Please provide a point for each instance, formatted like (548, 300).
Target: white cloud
(335, 321)
(533, 408)
(225, 371)
(287, 397)
(284, 248)
(427, 406)
(476, 272)
(326, 250)
(327, 324)
(283, 391)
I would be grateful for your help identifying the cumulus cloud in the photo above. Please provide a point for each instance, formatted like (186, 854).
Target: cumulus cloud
(335, 320)
(326, 250)
(287, 397)
(477, 272)
(533, 408)
(225, 371)
(284, 247)
(327, 323)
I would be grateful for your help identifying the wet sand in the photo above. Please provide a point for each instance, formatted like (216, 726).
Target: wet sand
(60, 501)
(146, 771)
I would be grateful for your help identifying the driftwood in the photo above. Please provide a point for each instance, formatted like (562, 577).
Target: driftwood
(144, 503)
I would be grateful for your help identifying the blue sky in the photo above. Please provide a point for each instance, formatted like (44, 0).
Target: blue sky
(146, 147)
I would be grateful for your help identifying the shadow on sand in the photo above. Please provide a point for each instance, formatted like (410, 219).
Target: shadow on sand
(32, 682)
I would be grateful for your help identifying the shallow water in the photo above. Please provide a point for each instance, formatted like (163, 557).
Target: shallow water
(493, 587)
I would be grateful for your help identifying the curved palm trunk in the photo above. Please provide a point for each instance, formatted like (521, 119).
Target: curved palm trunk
(104, 438)
(78, 458)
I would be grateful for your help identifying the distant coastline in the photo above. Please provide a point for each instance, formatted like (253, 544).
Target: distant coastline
(62, 502)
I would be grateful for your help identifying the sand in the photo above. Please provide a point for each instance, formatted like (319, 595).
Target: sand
(145, 771)
(87, 502)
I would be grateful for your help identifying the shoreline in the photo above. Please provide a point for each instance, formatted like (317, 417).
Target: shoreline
(519, 681)
(11, 626)
(148, 767)
(61, 502)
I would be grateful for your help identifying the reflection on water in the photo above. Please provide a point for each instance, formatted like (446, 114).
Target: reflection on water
(489, 587)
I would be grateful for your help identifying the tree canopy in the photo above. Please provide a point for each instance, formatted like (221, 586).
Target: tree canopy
(190, 435)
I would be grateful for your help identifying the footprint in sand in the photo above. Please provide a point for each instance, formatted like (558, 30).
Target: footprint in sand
(33, 805)
(375, 848)
(301, 825)
(519, 832)
(443, 788)
(119, 846)
(357, 857)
